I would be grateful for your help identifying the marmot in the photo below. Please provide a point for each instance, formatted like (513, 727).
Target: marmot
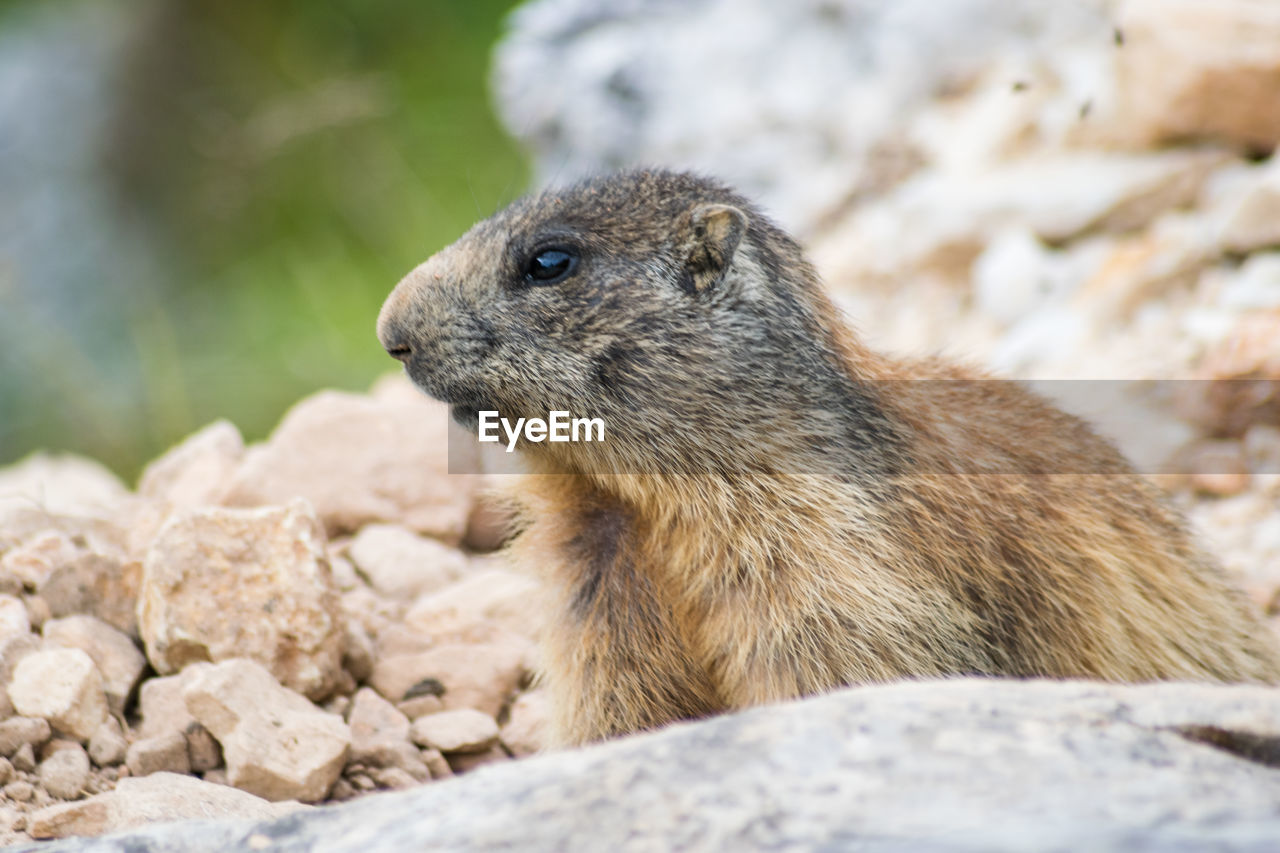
(773, 512)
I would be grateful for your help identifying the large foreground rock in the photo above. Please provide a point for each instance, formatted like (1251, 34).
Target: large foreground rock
(961, 765)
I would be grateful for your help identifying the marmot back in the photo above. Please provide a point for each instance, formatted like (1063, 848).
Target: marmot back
(776, 510)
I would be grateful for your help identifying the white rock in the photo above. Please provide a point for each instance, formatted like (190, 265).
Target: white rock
(62, 485)
(363, 459)
(503, 597)
(277, 745)
(160, 754)
(1253, 220)
(108, 746)
(198, 471)
(401, 564)
(481, 676)
(463, 730)
(160, 702)
(380, 735)
(13, 617)
(65, 773)
(1199, 69)
(158, 798)
(527, 730)
(118, 660)
(225, 583)
(62, 686)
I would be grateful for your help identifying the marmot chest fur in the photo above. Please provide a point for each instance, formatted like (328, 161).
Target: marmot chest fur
(776, 510)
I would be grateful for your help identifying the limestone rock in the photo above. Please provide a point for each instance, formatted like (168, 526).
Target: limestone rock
(155, 799)
(198, 471)
(203, 749)
(108, 747)
(62, 485)
(401, 564)
(226, 583)
(65, 773)
(465, 762)
(462, 730)
(1253, 222)
(277, 745)
(963, 764)
(500, 596)
(380, 736)
(526, 729)
(118, 660)
(13, 617)
(162, 706)
(360, 460)
(19, 731)
(1199, 69)
(62, 686)
(163, 753)
(479, 676)
(593, 85)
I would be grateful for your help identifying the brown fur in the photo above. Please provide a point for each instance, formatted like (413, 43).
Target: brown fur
(776, 512)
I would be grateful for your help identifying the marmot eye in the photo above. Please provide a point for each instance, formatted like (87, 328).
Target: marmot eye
(550, 266)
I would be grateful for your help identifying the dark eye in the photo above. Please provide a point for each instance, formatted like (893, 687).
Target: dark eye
(550, 266)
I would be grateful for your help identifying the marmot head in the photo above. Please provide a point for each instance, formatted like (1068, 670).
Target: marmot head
(663, 303)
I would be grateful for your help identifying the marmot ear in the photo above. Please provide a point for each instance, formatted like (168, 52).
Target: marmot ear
(709, 239)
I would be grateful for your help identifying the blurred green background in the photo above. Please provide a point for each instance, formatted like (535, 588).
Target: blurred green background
(203, 204)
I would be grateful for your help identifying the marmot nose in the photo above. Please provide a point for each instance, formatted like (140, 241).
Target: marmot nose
(395, 341)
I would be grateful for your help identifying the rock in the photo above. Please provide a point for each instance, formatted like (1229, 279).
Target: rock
(401, 564)
(13, 649)
(26, 566)
(1001, 765)
(420, 705)
(161, 754)
(20, 791)
(357, 652)
(13, 617)
(155, 799)
(1253, 222)
(226, 583)
(1197, 70)
(62, 686)
(463, 730)
(938, 223)
(204, 750)
(395, 779)
(380, 736)
(97, 584)
(198, 471)
(437, 764)
(16, 731)
(62, 485)
(494, 595)
(118, 660)
(6, 770)
(473, 676)
(65, 773)
(24, 758)
(161, 705)
(277, 745)
(359, 460)
(465, 762)
(108, 747)
(526, 729)
(590, 86)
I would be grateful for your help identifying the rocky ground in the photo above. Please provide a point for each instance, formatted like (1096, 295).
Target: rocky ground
(254, 630)
(304, 621)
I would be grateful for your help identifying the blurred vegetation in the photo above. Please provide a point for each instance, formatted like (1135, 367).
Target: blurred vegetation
(285, 164)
